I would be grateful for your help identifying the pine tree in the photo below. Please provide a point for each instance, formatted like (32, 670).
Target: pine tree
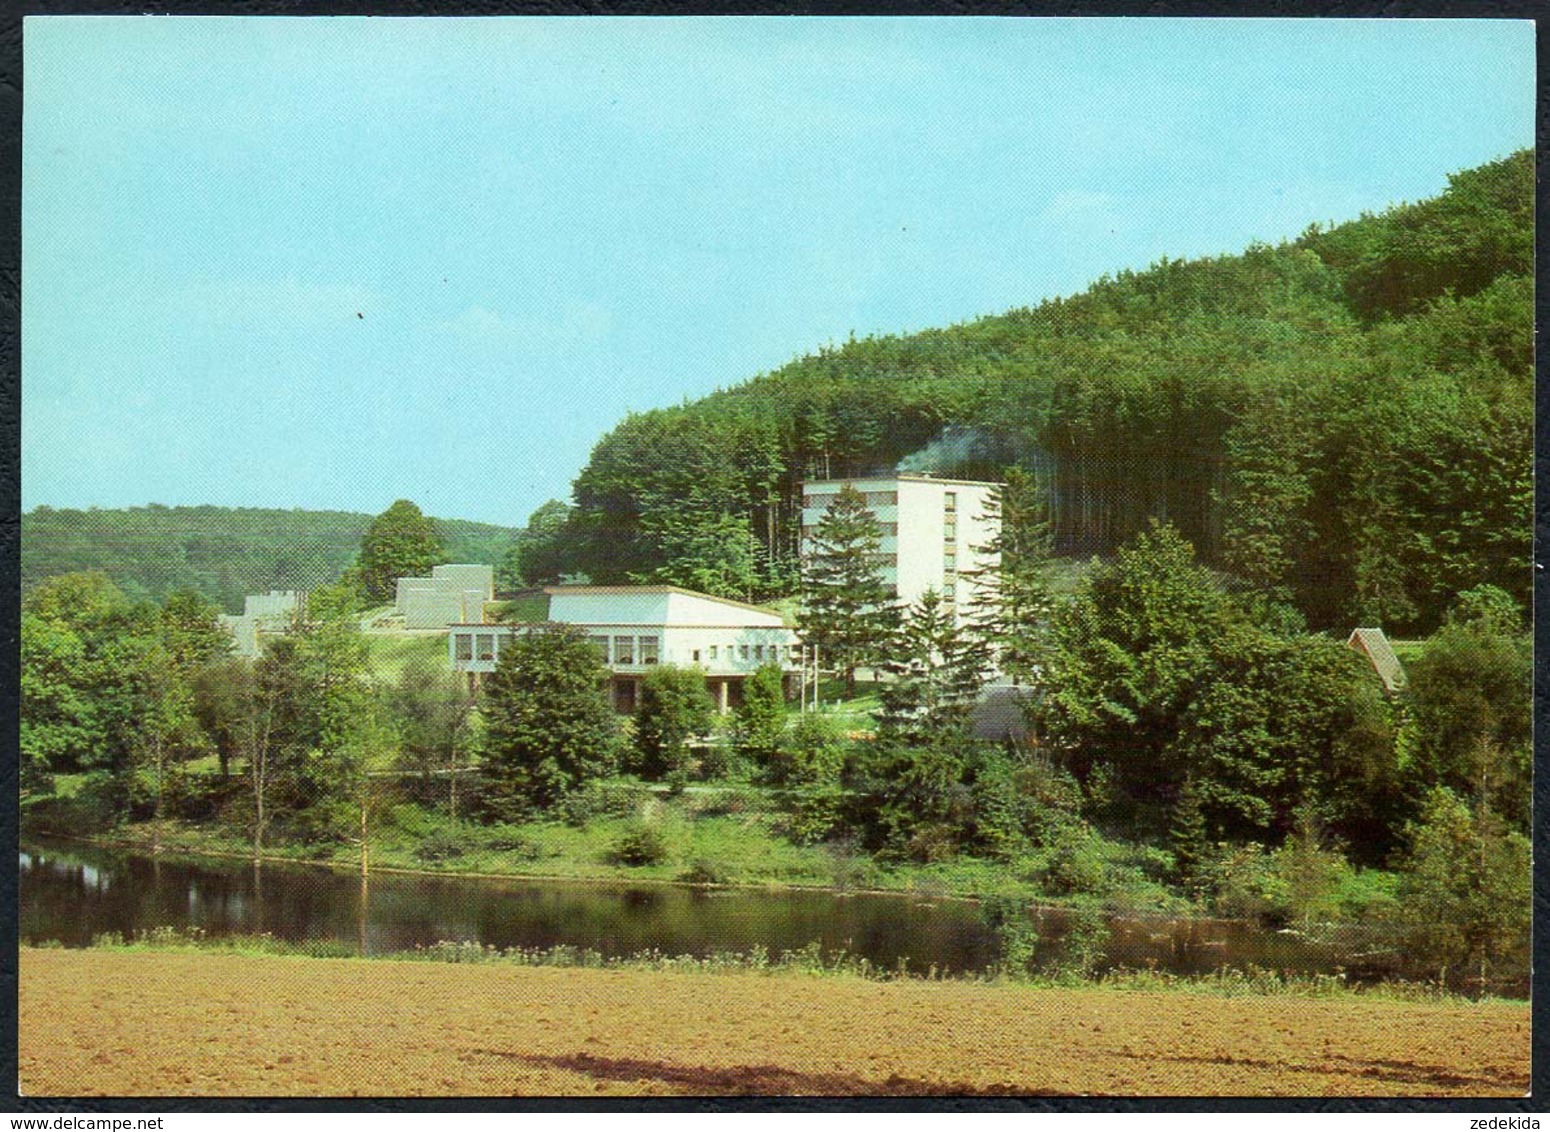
(847, 609)
(1012, 598)
(939, 669)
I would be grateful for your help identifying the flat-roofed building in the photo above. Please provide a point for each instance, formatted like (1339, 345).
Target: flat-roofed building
(453, 592)
(637, 627)
(933, 531)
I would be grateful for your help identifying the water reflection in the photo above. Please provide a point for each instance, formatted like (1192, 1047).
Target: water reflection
(71, 893)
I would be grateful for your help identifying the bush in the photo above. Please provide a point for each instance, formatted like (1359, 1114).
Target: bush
(443, 845)
(621, 798)
(1013, 932)
(507, 839)
(1241, 882)
(812, 815)
(1076, 865)
(201, 797)
(1082, 946)
(704, 872)
(93, 808)
(641, 844)
(811, 754)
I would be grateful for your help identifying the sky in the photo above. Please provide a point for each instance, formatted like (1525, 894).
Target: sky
(334, 262)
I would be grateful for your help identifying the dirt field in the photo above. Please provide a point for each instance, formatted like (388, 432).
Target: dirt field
(120, 1023)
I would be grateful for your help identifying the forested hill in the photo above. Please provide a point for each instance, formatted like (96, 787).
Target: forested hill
(1344, 420)
(222, 552)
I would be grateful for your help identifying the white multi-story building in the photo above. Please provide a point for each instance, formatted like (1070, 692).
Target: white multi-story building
(934, 531)
(636, 627)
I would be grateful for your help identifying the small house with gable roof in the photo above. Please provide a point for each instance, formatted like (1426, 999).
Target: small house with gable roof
(1373, 645)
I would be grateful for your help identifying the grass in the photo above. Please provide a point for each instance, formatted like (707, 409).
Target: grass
(392, 653)
(811, 960)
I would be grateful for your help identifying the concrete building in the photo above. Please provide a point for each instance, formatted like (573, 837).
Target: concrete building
(273, 612)
(636, 627)
(453, 593)
(932, 529)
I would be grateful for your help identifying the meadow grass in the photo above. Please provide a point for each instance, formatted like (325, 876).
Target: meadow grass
(812, 960)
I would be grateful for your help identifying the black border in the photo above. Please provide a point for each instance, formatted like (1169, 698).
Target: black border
(11, 87)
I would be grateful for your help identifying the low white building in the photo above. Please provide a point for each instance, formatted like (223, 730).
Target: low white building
(454, 592)
(270, 613)
(933, 531)
(636, 627)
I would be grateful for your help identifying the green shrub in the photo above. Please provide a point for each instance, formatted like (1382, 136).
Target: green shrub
(812, 815)
(1082, 948)
(1076, 865)
(508, 839)
(1242, 884)
(1013, 932)
(641, 844)
(619, 798)
(812, 753)
(443, 845)
(704, 872)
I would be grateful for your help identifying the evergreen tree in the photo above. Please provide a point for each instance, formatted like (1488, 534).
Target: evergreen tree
(848, 612)
(549, 726)
(400, 543)
(925, 746)
(939, 669)
(1187, 836)
(1012, 601)
(761, 717)
(1465, 889)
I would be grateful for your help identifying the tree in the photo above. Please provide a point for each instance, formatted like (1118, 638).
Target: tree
(1471, 702)
(674, 707)
(432, 712)
(847, 609)
(712, 554)
(925, 743)
(1127, 656)
(761, 717)
(401, 542)
(1012, 599)
(939, 669)
(549, 727)
(537, 556)
(1464, 888)
(82, 644)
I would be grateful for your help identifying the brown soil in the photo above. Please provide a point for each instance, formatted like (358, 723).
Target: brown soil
(149, 1023)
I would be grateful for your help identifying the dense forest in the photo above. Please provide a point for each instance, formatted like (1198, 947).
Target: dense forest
(1343, 420)
(221, 553)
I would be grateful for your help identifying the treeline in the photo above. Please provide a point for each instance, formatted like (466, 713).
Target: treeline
(1344, 419)
(221, 553)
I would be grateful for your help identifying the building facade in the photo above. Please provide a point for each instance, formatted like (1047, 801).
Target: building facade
(637, 627)
(453, 593)
(933, 531)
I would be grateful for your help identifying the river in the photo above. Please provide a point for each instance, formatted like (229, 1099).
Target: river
(70, 892)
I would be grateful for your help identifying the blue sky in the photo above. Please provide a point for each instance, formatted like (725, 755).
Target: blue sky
(333, 262)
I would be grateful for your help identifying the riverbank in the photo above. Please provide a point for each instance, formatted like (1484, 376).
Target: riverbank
(109, 1022)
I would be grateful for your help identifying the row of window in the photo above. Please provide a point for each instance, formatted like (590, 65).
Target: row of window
(887, 530)
(622, 649)
(628, 649)
(873, 499)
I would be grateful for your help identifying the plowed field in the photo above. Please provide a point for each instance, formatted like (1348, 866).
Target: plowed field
(130, 1024)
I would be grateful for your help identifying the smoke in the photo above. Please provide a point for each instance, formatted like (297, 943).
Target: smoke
(959, 450)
